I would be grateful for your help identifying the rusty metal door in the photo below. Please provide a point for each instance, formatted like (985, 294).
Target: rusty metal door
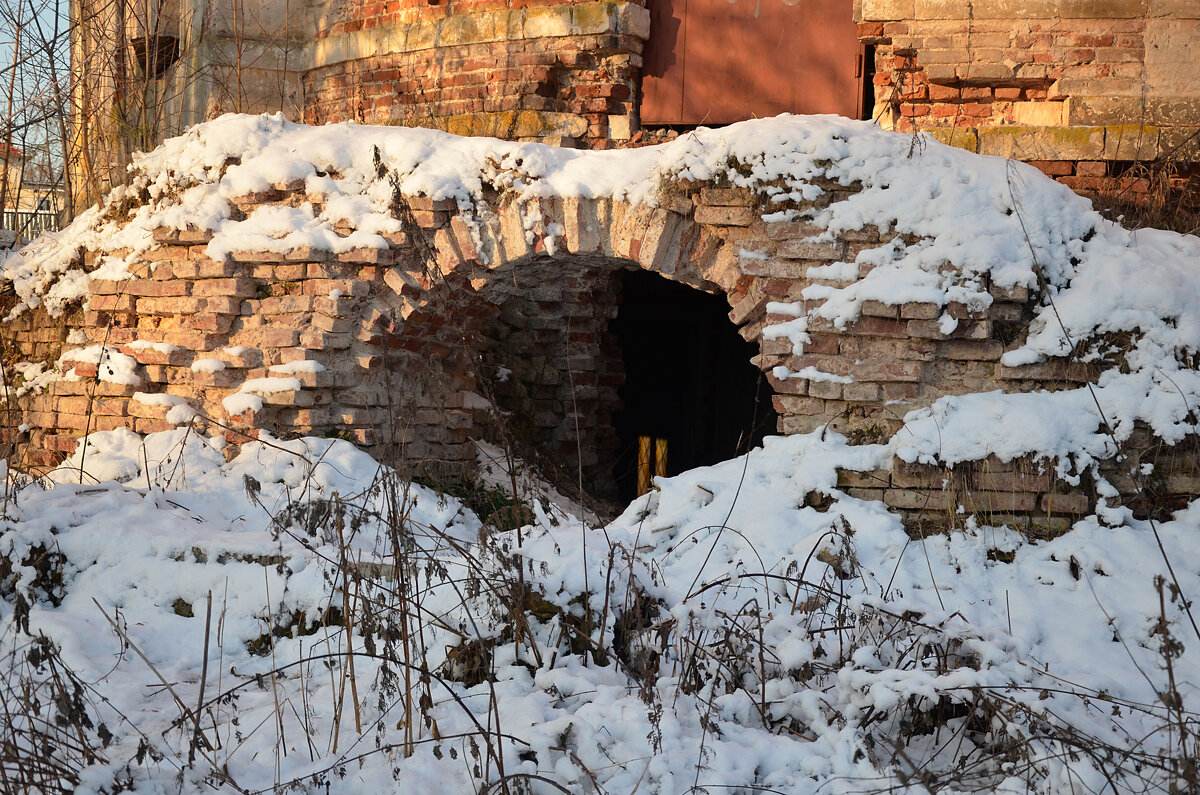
(719, 61)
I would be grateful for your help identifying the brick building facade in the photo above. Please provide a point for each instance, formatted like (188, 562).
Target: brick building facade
(1082, 89)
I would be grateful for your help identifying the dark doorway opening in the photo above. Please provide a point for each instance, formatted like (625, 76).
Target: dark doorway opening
(688, 379)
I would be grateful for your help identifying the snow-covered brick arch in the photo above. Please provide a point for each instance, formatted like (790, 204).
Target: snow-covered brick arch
(413, 291)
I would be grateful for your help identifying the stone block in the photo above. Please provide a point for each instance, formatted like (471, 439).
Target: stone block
(552, 22)
(726, 197)
(868, 326)
(112, 303)
(987, 72)
(884, 10)
(1130, 142)
(721, 215)
(879, 309)
(971, 350)
(919, 476)
(771, 267)
(875, 479)
(806, 250)
(192, 340)
(920, 311)
(581, 224)
(105, 287)
(900, 391)
(333, 324)
(787, 230)
(514, 244)
(966, 329)
(789, 424)
(323, 340)
(367, 256)
(530, 124)
(914, 500)
(658, 243)
(256, 257)
(157, 289)
(1017, 293)
(61, 443)
(204, 268)
(983, 477)
(1040, 114)
(826, 390)
(1000, 501)
(146, 425)
(861, 392)
(169, 306)
(628, 224)
(216, 378)
(798, 405)
(223, 305)
(164, 254)
(1042, 143)
(634, 20)
(279, 337)
(620, 128)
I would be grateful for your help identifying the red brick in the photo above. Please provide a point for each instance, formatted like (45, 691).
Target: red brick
(112, 303)
(900, 391)
(168, 306)
(159, 289)
(939, 93)
(107, 286)
(966, 329)
(724, 215)
(1052, 168)
(227, 287)
(880, 327)
(1093, 184)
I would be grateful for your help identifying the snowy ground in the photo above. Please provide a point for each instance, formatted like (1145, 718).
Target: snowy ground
(744, 628)
(750, 642)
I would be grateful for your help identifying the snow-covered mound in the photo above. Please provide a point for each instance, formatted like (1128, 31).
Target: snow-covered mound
(1124, 302)
(745, 627)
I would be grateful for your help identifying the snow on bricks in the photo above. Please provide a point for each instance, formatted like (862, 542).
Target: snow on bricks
(406, 289)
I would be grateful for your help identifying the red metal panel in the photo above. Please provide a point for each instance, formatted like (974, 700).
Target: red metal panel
(662, 67)
(719, 61)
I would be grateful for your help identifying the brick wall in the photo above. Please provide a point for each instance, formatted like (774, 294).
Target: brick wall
(994, 71)
(494, 324)
(552, 72)
(1082, 90)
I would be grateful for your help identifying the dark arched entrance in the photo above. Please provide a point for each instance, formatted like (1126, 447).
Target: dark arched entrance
(688, 378)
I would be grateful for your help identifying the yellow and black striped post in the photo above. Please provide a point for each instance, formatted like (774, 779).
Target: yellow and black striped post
(652, 456)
